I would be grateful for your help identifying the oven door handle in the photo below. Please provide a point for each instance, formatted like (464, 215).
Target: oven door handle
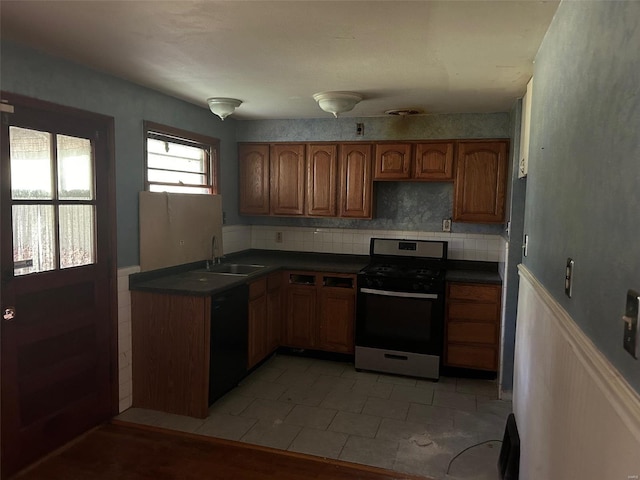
(388, 293)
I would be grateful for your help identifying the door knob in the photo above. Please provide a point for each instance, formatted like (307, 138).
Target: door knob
(9, 313)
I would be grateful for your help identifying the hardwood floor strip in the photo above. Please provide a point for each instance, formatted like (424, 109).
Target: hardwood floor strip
(126, 451)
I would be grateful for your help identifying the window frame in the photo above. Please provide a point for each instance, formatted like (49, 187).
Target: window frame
(211, 146)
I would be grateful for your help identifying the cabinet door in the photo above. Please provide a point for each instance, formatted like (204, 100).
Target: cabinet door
(170, 335)
(254, 179)
(274, 311)
(322, 177)
(287, 179)
(355, 181)
(481, 180)
(257, 338)
(392, 161)
(301, 316)
(337, 309)
(433, 161)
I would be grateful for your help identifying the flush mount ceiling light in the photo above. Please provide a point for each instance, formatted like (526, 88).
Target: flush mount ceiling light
(337, 102)
(403, 112)
(223, 107)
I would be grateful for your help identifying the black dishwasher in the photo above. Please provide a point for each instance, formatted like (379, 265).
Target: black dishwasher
(229, 337)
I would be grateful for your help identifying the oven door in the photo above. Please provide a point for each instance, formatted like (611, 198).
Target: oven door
(401, 321)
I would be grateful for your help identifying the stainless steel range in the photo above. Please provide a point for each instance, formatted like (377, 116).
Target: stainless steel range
(400, 310)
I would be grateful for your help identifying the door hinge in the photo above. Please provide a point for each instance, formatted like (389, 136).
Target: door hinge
(5, 107)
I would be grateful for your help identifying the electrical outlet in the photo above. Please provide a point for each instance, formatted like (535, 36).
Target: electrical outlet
(446, 225)
(630, 341)
(278, 237)
(568, 277)
(525, 246)
(359, 129)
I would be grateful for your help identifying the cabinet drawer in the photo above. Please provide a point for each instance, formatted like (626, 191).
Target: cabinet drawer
(473, 311)
(478, 293)
(338, 281)
(257, 288)
(468, 356)
(472, 332)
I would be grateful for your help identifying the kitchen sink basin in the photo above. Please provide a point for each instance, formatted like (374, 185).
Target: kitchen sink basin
(232, 269)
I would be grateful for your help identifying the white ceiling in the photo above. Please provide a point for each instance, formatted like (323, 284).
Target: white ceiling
(434, 56)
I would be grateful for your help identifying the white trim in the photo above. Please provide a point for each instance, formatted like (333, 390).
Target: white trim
(622, 397)
(126, 271)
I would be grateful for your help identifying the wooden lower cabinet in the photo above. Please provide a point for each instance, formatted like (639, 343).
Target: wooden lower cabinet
(472, 326)
(320, 311)
(257, 337)
(301, 309)
(170, 352)
(337, 308)
(274, 311)
(264, 318)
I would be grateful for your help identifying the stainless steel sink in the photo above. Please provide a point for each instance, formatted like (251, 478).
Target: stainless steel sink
(232, 269)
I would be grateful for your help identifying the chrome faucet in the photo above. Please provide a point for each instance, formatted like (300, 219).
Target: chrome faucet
(215, 258)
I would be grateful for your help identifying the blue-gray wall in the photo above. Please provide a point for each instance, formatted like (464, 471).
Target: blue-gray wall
(583, 188)
(398, 205)
(27, 72)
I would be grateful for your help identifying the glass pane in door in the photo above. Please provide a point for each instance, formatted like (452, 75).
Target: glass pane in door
(77, 235)
(33, 239)
(75, 168)
(31, 177)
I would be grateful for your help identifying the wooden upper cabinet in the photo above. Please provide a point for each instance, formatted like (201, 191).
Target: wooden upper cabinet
(287, 175)
(481, 181)
(425, 161)
(433, 161)
(322, 179)
(254, 179)
(392, 161)
(355, 165)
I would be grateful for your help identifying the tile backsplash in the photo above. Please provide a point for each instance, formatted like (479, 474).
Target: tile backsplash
(462, 246)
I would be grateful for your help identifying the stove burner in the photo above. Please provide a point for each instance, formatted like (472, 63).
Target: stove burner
(423, 272)
(402, 271)
(381, 269)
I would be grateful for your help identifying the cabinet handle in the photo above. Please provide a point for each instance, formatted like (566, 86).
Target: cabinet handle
(391, 356)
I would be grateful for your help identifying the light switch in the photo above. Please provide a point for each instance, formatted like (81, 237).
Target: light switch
(630, 318)
(568, 277)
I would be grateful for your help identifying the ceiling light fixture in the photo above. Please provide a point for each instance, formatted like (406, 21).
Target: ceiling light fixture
(403, 112)
(337, 102)
(223, 107)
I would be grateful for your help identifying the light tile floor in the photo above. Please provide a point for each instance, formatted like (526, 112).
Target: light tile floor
(329, 409)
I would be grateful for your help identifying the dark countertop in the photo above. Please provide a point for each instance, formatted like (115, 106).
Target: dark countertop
(183, 280)
(473, 272)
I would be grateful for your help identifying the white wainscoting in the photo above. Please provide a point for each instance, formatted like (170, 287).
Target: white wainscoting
(576, 416)
(124, 337)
